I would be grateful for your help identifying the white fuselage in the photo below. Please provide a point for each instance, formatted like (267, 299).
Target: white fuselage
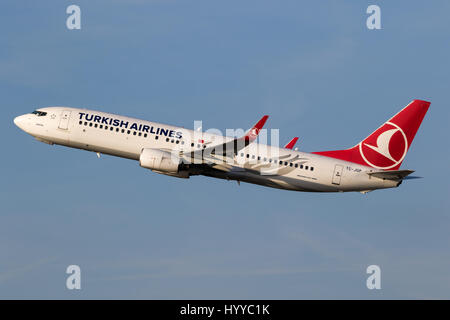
(127, 137)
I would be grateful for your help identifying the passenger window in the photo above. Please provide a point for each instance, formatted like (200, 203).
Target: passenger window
(312, 168)
(301, 166)
(296, 165)
(156, 137)
(290, 164)
(134, 133)
(90, 124)
(145, 135)
(81, 122)
(281, 162)
(306, 167)
(167, 139)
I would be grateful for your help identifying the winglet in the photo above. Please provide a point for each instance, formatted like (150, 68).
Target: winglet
(233, 146)
(291, 143)
(252, 134)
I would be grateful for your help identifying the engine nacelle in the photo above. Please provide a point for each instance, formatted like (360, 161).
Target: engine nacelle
(162, 162)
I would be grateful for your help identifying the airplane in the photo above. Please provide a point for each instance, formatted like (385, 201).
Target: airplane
(374, 163)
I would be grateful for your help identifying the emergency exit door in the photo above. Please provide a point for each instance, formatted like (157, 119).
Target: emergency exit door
(337, 174)
(64, 121)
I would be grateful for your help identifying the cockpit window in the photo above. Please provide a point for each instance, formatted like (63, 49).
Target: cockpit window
(39, 113)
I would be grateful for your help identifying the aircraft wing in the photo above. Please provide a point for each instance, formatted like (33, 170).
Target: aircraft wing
(391, 175)
(291, 143)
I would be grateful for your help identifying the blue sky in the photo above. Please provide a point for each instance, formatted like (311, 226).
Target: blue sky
(313, 66)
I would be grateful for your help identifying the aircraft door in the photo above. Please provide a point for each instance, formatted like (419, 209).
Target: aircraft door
(337, 174)
(64, 122)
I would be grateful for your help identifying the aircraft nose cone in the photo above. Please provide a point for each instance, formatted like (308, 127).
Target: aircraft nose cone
(19, 121)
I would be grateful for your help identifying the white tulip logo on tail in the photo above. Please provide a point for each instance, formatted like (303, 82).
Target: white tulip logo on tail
(385, 150)
(382, 146)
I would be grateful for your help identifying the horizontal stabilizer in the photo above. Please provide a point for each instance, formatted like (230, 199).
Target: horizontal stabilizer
(412, 177)
(391, 175)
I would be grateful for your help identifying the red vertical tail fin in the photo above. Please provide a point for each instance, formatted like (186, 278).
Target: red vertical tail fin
(387, 146)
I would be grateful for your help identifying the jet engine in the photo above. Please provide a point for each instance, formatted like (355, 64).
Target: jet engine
(163, 162)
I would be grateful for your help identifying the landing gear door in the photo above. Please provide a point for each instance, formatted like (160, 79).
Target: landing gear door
(64, 122)
(337, 174)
